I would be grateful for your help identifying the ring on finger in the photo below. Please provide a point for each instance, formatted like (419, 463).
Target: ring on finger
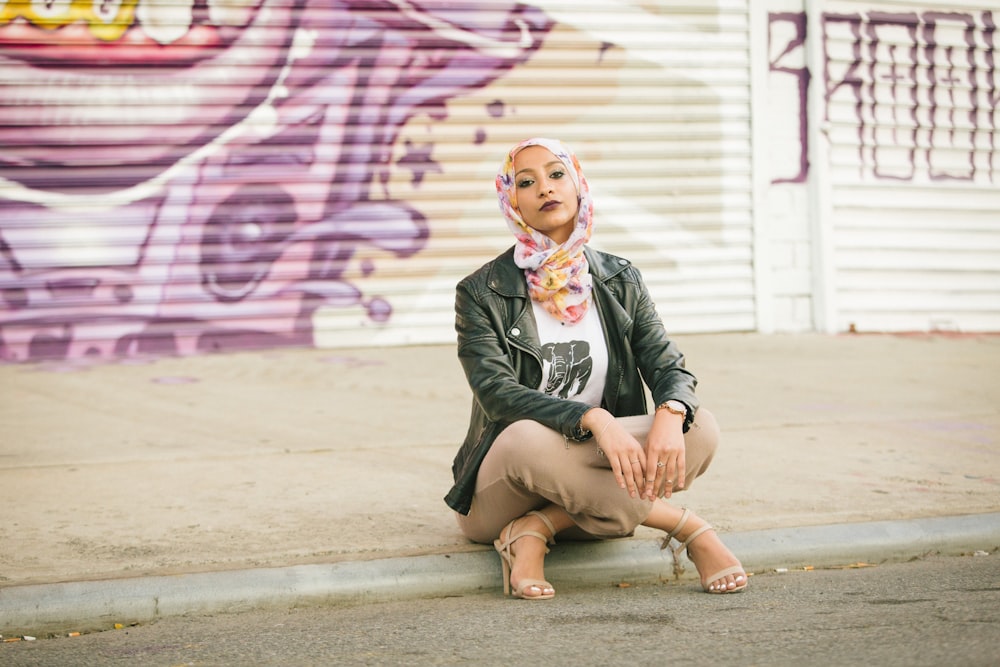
(660, 464)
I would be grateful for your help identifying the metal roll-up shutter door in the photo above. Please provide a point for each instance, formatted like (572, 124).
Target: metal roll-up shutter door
(181, 177)
(914, 166)
(655, 101)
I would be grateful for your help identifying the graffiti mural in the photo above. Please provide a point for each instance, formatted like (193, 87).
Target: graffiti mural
(197, 175)
(186, 176)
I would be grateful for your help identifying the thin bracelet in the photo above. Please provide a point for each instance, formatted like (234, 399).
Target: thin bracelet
(598, 438)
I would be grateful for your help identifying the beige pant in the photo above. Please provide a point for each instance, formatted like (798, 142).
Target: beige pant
(530, 466)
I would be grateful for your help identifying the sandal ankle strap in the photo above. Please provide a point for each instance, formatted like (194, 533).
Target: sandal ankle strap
(548, 524)
(677, 529)
(506, 544)
(693, 535)
(678, 568)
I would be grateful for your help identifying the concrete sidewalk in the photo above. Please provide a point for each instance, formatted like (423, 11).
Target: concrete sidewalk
(137, 489)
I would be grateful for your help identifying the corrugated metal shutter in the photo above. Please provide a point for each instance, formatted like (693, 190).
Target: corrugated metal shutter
(192, 176)
(914, 165)
(656, 103)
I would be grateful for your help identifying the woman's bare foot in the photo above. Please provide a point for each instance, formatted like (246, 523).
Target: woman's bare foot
(526, 557)
(710, 556)
(528, 562)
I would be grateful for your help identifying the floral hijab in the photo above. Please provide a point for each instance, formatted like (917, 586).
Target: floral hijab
(558, 274)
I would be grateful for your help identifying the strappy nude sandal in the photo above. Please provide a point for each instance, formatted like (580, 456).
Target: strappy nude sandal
(507, 558)
(705, 581)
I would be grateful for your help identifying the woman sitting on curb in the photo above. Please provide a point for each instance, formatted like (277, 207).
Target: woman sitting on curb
(558, 342)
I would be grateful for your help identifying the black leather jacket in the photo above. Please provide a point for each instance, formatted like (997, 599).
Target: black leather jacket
(500, 352)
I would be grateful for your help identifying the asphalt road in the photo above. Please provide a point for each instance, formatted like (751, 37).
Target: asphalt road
(931, 611)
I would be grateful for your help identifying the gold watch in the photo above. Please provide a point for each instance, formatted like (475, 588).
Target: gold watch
(675, 407)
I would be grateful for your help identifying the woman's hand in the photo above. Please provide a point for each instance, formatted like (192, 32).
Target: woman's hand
(624, 453)
(664, 455)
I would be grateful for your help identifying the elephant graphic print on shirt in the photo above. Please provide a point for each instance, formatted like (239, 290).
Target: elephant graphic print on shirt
(567, 367)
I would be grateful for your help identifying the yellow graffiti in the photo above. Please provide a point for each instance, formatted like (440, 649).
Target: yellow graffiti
(107, 20)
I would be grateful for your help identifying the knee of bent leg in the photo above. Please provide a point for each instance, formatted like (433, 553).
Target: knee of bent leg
(525, 446)
(707, 430)
(701, 441)
(510, 444)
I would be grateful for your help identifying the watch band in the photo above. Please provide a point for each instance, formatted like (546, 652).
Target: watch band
(674, 406)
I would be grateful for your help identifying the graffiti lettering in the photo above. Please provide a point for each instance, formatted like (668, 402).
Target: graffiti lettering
(909, 96)
(787, 62)
(918, 92)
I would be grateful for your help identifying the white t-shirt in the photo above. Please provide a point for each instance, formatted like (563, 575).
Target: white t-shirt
(574, 356)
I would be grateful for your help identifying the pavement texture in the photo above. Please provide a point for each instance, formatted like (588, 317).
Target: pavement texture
(150, 487)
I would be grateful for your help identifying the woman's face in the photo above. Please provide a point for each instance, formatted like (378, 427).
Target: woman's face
(546, 196)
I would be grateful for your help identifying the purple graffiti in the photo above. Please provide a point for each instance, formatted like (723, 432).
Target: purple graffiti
(920, 89)
(800, 74)
(198, 177)
(923, 88)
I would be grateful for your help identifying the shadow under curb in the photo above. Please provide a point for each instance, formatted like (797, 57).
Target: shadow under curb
(95, 605)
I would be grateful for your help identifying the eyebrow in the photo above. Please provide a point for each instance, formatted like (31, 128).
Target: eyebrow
(547, 164)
